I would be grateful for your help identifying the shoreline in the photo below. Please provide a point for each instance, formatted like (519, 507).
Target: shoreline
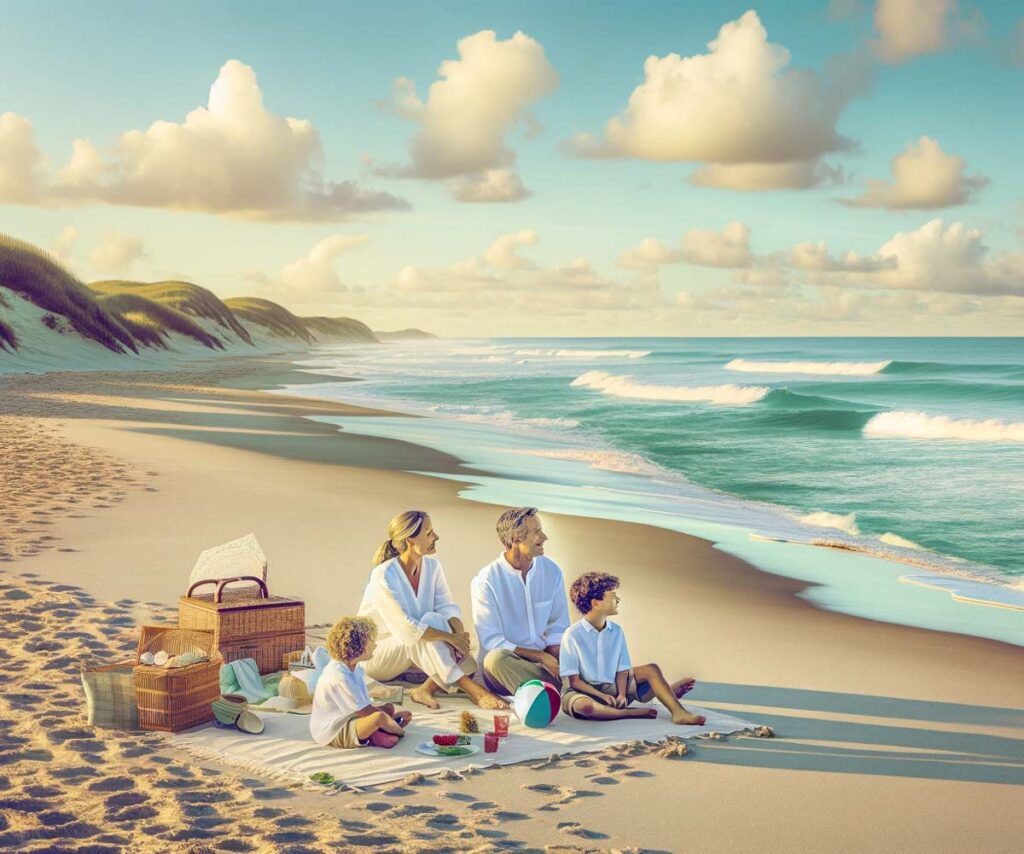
(877, 717)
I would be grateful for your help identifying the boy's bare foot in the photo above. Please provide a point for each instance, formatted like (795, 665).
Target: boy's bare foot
(683, 686)
(684, 718)
(424, 697)
(383, 739)
(640, 713)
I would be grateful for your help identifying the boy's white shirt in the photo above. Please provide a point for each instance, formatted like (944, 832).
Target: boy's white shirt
(595, 656)
(390, 601)
(340, 693)
(509, 613)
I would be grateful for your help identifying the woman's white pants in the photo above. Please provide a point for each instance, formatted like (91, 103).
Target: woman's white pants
(435, 658)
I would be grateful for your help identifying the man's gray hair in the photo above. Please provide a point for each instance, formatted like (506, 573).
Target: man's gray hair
(511, 523)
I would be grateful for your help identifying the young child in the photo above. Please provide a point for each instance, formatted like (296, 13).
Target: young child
(595, 660)
(342, 713)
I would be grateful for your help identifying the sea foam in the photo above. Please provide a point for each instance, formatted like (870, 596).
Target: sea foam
(918, 425)
(625, 386)
(617, 461)
(849, 369)
(841, 522)
(586, 354)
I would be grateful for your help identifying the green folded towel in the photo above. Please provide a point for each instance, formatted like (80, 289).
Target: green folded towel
(243, 677)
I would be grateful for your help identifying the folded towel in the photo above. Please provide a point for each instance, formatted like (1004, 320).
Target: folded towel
(243, 677)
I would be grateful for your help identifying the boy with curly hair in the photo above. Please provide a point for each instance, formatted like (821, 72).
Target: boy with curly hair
(343, 715)
(595, 660)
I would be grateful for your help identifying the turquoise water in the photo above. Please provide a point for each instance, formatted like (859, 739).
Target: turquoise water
(909, 449)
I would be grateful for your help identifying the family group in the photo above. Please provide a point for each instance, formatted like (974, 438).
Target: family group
(409, 619)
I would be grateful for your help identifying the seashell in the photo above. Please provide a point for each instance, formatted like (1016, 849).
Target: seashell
(146, 658)
(187, 658)
(161, 658)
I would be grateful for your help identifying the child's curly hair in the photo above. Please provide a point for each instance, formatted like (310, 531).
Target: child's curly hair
(350, 636)
(590, 586)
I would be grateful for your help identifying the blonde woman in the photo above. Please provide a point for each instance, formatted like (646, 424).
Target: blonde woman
(420, 625)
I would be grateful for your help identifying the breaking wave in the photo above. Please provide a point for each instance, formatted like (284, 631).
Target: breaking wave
(848, 369)
(823, 519)
(626, 386)
(918, 425)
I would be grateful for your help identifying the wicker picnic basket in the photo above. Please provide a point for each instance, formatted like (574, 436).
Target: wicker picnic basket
(176, 698)
(110, 695)
(263, 627)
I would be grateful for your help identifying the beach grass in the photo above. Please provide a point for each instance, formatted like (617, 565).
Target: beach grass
(151, 321)
(340, 327)
(184, 297)
(38, 277)
(274, 317)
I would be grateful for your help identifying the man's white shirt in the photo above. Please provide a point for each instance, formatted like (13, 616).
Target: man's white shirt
(509, 612)
(595, 656)
(340, 693)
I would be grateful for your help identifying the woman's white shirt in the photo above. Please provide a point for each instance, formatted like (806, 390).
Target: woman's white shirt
(397, 609)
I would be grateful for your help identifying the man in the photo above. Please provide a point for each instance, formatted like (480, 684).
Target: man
(519, 607)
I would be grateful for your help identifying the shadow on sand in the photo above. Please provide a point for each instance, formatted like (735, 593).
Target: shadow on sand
(821, 743)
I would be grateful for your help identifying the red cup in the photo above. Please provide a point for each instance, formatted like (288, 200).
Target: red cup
(490, 742)
(501, 725)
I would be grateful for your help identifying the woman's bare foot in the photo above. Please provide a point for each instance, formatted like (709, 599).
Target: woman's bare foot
(424, 696)
(686, 719)
(683, 686)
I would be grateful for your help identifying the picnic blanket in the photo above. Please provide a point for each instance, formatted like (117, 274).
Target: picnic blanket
(285, 750)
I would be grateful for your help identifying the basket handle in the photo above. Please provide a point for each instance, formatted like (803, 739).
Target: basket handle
(218, 595)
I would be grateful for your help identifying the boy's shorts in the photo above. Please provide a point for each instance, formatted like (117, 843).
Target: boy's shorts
(348, 735)
(635, 693)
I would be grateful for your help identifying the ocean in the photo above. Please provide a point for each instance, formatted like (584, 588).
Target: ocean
(891, 449)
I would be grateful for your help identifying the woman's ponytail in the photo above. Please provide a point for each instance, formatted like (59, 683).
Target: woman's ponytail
(400, 529)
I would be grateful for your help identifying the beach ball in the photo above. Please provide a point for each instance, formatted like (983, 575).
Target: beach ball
(536, 703)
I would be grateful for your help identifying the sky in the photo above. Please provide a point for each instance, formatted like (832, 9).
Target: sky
(811, 167)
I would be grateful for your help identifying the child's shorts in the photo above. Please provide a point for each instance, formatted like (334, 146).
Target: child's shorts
(348, 735)
(635, 693)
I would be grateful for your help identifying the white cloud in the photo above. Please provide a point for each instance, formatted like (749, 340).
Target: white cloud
(502, 253)
(116, 253)
(909, 28)
(21, 160)
(738, 108)
(815, 257)
(924, 177)
(494, 185)
(500, 283)
(469, 112)
(232, 157)
(933, 258)
(728, 248)
(316, 273)
(65, 242)
(800, 175)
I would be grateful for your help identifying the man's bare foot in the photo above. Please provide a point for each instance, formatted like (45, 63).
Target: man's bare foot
(683, 686)
(487, 700)
(684, 718)
(424, 697)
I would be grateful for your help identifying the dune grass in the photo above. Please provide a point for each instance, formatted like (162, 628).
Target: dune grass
(184, 297)
(8, 340)
(151, 321)
(340, 327)
(274, 317)
(43, 281)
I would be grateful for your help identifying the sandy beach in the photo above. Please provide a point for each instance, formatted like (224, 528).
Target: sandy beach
(888, 738)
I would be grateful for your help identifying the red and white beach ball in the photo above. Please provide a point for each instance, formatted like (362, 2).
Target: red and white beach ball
(536, 703)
